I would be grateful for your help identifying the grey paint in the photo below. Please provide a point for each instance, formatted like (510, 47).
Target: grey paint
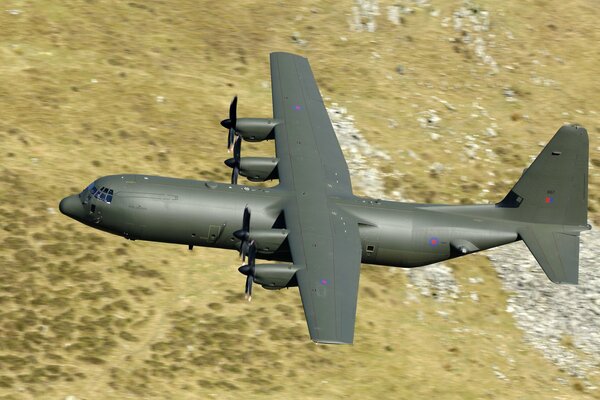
(313, 222)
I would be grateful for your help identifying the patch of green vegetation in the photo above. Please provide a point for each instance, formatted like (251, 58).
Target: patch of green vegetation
(91, 360)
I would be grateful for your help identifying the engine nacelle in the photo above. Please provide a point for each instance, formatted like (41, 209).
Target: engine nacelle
(269, 241)
(275, 276)
(256, 129)
(259, 169)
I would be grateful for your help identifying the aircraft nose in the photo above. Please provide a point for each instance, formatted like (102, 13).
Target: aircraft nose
(71, 206)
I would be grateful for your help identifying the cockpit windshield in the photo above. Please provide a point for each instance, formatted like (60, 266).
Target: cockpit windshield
(103, 194)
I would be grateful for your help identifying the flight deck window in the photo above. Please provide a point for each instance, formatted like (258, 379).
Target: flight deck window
(103, 194)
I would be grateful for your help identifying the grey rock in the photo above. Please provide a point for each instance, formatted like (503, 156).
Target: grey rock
(435, 281)
(363, 15)
(559, 320)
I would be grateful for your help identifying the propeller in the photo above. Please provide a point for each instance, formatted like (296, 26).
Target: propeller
(234, 163)
(247, 248)
(244, 234)
(230, 123)
(249, 270)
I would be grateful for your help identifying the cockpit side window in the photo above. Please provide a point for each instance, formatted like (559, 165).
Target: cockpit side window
(86, 196)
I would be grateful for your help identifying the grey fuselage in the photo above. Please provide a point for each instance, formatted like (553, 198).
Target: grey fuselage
(197, 213)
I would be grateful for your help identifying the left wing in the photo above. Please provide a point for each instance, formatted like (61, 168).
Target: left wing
(324, 240)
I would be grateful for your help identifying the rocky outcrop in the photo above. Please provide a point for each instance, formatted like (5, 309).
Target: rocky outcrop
(562, 321)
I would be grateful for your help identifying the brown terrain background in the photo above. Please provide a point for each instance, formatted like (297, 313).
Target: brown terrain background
(93, 88)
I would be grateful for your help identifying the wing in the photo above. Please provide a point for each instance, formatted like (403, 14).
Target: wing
(305, 141)
(329, 282)
(323, 239)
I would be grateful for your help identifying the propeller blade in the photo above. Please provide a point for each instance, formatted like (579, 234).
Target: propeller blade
(248, 290)
(246, 220)
(249, 269)
(230, 139)
(252, 256)
(231, 123)
(247, 246)
(233, 112)
(237, 148)
(244, 250)
(235, 161)
(234, 175)
(236, 157)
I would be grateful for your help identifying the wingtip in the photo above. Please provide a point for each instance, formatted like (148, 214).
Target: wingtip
(326, 342)
(276, 54)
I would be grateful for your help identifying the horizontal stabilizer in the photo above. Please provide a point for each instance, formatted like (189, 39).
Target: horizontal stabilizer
(556, 252)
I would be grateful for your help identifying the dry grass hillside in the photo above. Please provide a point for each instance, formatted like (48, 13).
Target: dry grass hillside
(92, 88)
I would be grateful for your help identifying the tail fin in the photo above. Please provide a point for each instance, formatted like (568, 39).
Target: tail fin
(550, 199)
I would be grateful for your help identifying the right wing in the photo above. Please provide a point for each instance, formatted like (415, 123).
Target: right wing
(305, 141)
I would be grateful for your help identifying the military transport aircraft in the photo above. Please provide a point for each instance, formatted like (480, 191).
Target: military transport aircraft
(316, 229)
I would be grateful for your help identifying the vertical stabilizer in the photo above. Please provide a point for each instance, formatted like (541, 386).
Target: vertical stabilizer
(553, 190)
(550, 202)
